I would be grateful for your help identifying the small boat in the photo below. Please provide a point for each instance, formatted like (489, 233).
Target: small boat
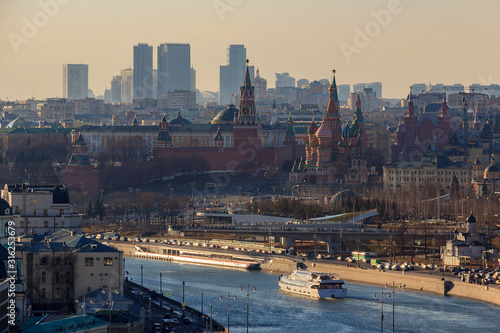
(312, 284)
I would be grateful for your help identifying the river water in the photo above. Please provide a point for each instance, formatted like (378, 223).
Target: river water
(275, 311)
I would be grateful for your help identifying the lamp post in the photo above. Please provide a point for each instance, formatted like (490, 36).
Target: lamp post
(340, 234)
(269, 240)
(83, 307)
(109, 301)
(239, 193)
(314, 236)
(211, 317)
(381, 310)
(201, 315)
(432, 258)
(228, 306)
(357, 261)
(248, 302)
(183, 304)
(161, 292)
(102, 191)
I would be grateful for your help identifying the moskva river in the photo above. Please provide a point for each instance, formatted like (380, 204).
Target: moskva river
(273, 311)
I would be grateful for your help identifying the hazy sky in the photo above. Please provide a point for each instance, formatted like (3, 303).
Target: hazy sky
(395, 42)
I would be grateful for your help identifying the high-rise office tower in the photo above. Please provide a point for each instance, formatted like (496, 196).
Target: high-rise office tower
(344, 92)
(75, 81)
(143, 71)
(376, 87)
(284, 80)
(193, 79)
(174, 68)
(418, 88)
(116, 89)
(127, 85)
(233, 73)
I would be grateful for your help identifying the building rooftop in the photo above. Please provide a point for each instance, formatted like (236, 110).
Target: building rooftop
(61, 323)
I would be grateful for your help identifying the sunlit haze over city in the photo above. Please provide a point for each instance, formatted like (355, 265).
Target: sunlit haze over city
(394, 42)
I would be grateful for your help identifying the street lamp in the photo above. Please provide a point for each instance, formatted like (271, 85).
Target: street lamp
(381, 309)
(314, 236)
(248, 301)
(83, 306)
(211, 317)
(340, 234)
(161, 292)
(109, 301)
(183, 304)
(357, 261)
(239, 193)
(432, 258)
(102, 191)
(228, 305)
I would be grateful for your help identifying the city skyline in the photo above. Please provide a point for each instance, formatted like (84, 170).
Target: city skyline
(438, 42)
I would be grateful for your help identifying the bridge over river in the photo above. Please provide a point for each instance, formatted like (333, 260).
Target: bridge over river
(321, 230)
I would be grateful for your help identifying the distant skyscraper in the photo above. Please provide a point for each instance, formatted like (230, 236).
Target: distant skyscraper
(344, 92)
(454, 88)
(116, 89)
(127, 85)
(143, 71)
(193, 79)
(302, 83)
(260, 87)
(75, 81)
(358, 87)
(376, 87)
(418, 88)
(284, 80)
(174, 68)
(233, 73)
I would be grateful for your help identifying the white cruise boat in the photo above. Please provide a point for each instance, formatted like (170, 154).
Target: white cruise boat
(312, 284)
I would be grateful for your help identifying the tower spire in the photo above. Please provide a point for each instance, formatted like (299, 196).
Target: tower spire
(333, 109)
(411, 108)
(444, 105)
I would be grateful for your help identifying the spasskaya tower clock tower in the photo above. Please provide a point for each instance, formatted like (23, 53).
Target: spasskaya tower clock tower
(246, 126)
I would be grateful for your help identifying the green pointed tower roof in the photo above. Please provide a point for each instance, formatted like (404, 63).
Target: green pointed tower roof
(290, 131)
(247, 82)
(218, 135)
(334, 88)
(135, 122)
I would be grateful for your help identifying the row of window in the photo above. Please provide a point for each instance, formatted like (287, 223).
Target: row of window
(412, 179)
(107, 261)
(431, 173)
(45, 224)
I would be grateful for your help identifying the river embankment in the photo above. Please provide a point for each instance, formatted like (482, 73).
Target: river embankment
(417, 281)
(410, 280)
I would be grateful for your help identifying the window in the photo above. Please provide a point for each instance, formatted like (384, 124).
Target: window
(44, 212)
(89, 261)
(62, 224)
(44, 277)
(108, 261)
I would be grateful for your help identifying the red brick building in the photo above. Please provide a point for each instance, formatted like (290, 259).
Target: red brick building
(80, 175)
(249, 150)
